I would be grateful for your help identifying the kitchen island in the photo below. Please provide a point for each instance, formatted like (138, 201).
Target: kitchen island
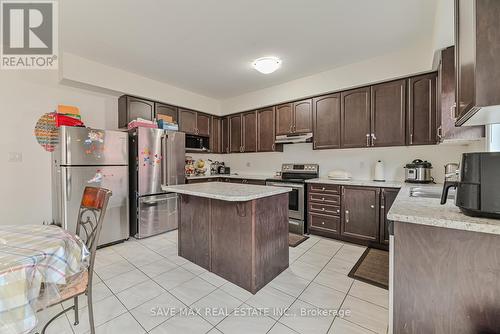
(237, 231)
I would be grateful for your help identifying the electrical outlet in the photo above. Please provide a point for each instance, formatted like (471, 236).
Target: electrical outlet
(15, 157)
(249, 164)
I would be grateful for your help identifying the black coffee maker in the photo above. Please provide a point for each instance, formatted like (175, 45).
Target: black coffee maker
(478, 187)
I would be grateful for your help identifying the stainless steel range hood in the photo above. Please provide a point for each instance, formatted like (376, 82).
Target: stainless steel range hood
(294, 138)
(481, 116)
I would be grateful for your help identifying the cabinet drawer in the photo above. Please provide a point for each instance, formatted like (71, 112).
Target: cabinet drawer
(324, 209)
(324, 198)
(324, 188)
(323, 222)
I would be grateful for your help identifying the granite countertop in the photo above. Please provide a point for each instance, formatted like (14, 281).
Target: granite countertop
(429, 211)
(362, 183)
(233, 176)
(227, 191)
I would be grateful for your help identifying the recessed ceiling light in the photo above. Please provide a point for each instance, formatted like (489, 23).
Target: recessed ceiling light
(267, 65)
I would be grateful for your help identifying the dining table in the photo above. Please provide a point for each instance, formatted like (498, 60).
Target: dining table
(36, 262)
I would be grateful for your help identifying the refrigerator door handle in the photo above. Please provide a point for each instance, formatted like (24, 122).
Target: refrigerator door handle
(164, 167)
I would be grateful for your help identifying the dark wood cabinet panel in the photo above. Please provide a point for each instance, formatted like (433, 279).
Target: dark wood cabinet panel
(446, 102)
(216, 135)
(225, 135)
(422, 114)
(235, 125)
(325, 223)
(355, 118)
(266, 130)
(131, 108)
(249, 131)
(302, 116)
(165, 109)
(284, 119)
(203, 124)
(187, 121)
(387, 197)
(388, 114)
(326, 121)
(360, 213)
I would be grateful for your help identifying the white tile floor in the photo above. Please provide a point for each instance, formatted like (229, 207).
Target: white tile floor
(139, 281)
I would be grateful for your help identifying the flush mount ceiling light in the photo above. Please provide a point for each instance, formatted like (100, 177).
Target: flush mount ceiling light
(267, 65)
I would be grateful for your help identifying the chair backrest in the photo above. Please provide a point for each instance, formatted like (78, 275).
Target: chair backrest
(90, 219)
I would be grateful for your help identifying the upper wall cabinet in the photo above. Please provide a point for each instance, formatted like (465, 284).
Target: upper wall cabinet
(235, 129)
(225, 135)
(216, 135)
(294, 117)
(131, 108)
(266, 133)
(422, 115)
(193, 122)
(355, 118)
(388, 114)
(477, 38)
(446, 102)
(326, 121)
(249, 133)
(165, 109)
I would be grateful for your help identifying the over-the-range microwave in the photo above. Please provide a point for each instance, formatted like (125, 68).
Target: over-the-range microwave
(197, 143)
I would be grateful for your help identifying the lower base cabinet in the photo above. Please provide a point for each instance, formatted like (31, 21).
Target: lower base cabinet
(227, 179)
(351, 213)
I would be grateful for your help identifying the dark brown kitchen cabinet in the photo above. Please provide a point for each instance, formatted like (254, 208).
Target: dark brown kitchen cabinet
(477, 54)
(225, 135)
(216, 134)
(360, 213)
(194, 123)
(302, 116)
(131, 108)
(284, 119)
(326, 121)
(235, 140)
(388, 114)
(446, 102)
(355, 118)
(187, 121)
(249, 132)
(266, 130)
(165, 109)
(422, 113)
(294, 117)
(203, 124)
(387, 197)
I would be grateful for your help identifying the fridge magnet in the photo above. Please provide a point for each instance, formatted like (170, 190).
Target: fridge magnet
(46, 132)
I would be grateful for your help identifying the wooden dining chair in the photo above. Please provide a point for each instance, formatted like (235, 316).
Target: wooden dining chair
(88, 228)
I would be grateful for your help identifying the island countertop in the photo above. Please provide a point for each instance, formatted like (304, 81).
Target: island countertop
(429, 211)
(227, 191)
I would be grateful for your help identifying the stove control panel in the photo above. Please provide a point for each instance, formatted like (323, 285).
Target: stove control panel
(300, 168)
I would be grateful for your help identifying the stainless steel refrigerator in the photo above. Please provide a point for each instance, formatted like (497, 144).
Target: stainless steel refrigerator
(91, 157)
(156, 158)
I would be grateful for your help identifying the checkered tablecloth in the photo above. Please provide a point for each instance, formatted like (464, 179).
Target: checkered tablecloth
(32, 256)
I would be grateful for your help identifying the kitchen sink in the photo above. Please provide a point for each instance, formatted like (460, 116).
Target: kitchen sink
(430, 192)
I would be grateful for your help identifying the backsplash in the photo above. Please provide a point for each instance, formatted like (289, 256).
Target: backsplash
(360, 162)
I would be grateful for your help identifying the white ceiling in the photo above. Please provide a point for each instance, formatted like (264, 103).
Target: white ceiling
(207, 46)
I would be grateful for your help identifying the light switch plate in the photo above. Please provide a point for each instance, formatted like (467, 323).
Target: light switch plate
(15, 157)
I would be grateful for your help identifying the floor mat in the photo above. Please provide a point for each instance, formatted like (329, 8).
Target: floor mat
(295, 239)
(372, 268)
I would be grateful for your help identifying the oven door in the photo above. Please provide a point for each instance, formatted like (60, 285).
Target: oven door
(295, 198)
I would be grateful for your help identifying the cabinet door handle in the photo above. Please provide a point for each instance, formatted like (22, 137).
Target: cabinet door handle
(346, 216)
(322, 223)
(322, 209)
(411, 138)
(338, 210)
(367, 139)
(322, 198)
(372, 206)
(291, 127)
(273, 147)
(382, 206)
(373, 139)
(452, 110)
(323, 188)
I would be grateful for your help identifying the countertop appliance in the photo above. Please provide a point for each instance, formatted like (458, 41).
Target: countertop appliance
(157, 158)
(294, 176)
(478, 186)
(224, 170)
(91, 157)
(451, 170)
(418, 171)
(378, 172)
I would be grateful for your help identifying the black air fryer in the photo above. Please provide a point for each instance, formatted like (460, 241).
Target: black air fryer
(478, 191)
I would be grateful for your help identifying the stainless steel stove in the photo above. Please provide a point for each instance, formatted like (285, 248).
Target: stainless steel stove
(294, 176)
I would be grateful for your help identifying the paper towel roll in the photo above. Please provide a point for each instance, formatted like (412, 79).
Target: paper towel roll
(379, 171)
